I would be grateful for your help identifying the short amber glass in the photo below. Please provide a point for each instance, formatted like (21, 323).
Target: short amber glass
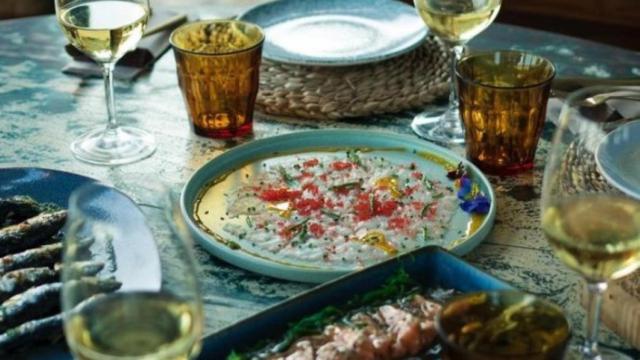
(503, 103)
(502, 325)
(218, 65)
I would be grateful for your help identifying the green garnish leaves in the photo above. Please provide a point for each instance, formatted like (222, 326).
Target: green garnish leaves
(285, 176)
(330, 214)
(346, 186)
(299, 229)
(354, 157)
(398, 285)
(235, 356)
(309, 325)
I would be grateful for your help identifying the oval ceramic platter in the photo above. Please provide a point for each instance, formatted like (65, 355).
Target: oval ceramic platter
(43, 185)
(618, 158)
(254, 207)
(336, 32)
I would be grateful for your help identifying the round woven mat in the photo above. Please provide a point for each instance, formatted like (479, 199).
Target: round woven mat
(406, 82)
(582, 173)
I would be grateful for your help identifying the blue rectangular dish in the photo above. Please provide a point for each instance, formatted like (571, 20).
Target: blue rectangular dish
(430, 267)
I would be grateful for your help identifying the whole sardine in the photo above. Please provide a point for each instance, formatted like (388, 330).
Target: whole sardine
(32, 304)
(32, 232)
(16, 209)
(17, 281)
(44, 300)
(45, 255)
(49, 328)
(80, 268)
(20, 280)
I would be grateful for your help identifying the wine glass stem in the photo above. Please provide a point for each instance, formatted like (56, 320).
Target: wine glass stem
(107, 69)
(590, 346)
(456, 54)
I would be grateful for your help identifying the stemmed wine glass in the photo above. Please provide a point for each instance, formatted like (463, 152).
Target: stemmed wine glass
(145, 302)
(105, 30)
(591, 225)
(454, 22)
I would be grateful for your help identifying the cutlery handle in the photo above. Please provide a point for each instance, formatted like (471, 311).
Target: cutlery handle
(574, 83)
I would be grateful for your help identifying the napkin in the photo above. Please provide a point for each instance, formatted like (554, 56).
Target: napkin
(150, 48)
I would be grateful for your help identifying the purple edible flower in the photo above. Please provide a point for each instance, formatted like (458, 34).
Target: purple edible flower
(479, 205)
(465, 187)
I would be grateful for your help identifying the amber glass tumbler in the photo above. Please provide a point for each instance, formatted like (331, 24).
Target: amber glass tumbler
(218, 65)
(503, 104)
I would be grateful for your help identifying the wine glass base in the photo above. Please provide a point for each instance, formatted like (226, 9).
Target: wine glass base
(119, 146)
(575, 352)
(432, 126)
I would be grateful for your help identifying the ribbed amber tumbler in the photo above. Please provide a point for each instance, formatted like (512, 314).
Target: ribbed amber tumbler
(218, 65)
(503, 101)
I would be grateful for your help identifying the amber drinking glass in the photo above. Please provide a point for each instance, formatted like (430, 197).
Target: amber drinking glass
(503, 103)
(502, 325)
(218, 65)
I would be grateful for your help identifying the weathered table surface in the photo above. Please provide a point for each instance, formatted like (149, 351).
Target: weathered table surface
(42, 110)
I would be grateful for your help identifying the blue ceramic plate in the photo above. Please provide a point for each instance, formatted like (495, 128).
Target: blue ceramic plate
(229, 171)
(336, 32)
(430, 267)
(618, 158)
(44, 185)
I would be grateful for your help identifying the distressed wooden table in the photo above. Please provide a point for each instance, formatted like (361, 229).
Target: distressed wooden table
(42, 110)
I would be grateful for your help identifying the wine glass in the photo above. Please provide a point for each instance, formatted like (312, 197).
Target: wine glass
(105, 31)
(591, 225)
(454, 22)
(145, 302)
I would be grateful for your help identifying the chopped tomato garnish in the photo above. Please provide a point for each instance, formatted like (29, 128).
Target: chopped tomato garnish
(398, 223)
(367, 206)
(410, 190)
(285, 233)
(385, 208)
(306, 206)
(362, 207)
(341, 165)
(323, 177)
(304, 175)
(279, 194)
(310, 163)
(311, 187)
(417, 175)
(417, 205)
(316, 229)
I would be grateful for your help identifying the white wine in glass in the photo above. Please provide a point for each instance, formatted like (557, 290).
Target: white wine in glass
(156, 312)
(105, 30)
(454, 22)
(592, 226)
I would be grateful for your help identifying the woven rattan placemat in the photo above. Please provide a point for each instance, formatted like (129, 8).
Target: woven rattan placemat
(406, 82)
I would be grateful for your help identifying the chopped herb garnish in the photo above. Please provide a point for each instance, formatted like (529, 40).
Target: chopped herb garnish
(298, 229)
(330, 214)
(354, 158)
(345, 186)
(285, 176)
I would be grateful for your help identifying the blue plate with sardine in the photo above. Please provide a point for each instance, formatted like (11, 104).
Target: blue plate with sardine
(384, 312)
(33, 212)
(312, 206)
